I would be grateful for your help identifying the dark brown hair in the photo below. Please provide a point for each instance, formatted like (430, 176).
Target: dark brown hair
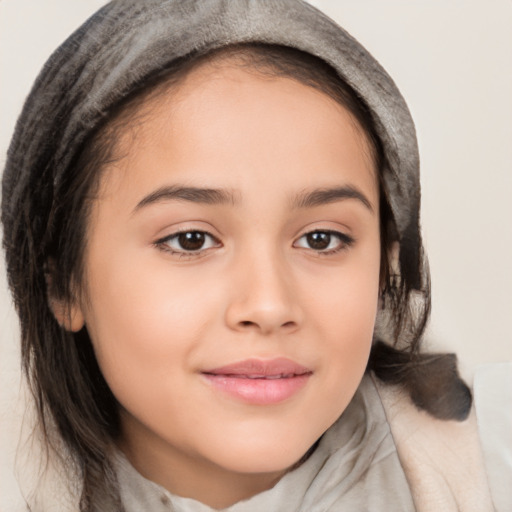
(45, 246)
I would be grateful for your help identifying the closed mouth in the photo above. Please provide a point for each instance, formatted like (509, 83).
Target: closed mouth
(259, 382)
(278, 368)
(265, 377)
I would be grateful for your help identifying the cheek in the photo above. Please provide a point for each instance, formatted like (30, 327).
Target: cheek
(346, 299)
(345, 312)
(348, 325)
(143, 323)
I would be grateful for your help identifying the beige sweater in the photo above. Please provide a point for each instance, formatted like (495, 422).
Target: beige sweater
(442, 460)
(444, 463)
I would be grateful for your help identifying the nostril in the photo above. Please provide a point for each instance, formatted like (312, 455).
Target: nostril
(249, 323)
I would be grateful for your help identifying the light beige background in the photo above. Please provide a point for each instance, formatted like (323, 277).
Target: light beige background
(452, 59)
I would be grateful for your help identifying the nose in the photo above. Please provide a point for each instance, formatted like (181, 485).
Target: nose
(263, 296)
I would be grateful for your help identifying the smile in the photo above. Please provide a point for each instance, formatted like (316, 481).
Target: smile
(259, 382)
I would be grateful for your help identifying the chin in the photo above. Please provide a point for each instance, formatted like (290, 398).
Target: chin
(268, 445)
(272, 456)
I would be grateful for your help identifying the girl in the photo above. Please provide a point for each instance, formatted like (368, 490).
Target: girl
(211, 224)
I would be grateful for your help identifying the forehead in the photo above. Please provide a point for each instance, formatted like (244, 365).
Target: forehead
(253, 64)
(220, 111)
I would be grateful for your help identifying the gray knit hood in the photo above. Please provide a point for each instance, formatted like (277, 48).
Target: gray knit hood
(128, 41)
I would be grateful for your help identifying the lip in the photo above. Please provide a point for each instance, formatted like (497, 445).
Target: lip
(259, 382)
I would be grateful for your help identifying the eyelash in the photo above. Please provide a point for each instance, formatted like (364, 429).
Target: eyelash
(163, 243)
(344, 242)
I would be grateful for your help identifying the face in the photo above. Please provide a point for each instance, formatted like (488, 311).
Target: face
(232, 277)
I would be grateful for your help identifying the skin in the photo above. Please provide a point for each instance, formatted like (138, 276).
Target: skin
(158, 315)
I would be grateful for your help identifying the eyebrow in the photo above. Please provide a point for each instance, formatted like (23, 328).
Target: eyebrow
(213, 196)
(319, 197)
(191, 194)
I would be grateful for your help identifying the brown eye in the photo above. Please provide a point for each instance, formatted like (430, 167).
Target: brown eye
(326, 242)
(319, 240)
(188, 242)
(191, 240)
